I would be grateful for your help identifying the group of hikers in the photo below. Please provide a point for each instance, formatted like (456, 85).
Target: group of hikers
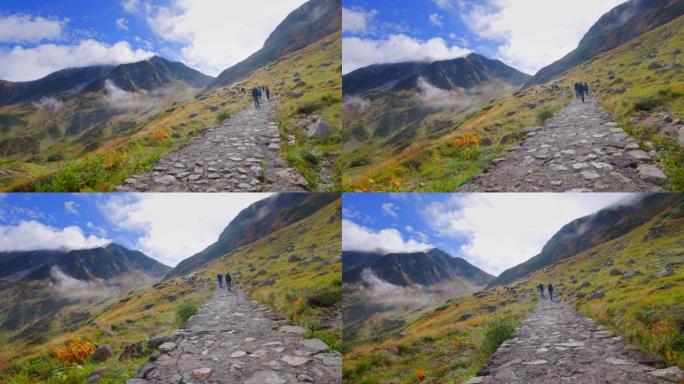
(549, 288)
(581, 90)
(258, 94)
(228, 280)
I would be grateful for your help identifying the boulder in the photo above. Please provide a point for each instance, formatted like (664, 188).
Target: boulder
(654, 65)
(102, 353)
(319, 129)
(672, 374)
(615, 272)
(269, 281)
(202, 373)
(597, 294)
(652, 174)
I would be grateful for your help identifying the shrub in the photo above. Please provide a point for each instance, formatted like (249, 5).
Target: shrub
(223, 115)
(186, 310)
(496, 331)
(324, 296)
(76, 352)
(360, 161)
(55, 157)
(310, 158)
(543, 115)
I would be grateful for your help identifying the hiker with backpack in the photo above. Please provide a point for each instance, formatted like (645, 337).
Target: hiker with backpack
(229, 282)
(220, 280)
(256, 95)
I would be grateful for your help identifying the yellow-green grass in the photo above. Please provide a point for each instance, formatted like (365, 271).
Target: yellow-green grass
(647, 310)
(173, 127)
(308, 295)
(431, 165)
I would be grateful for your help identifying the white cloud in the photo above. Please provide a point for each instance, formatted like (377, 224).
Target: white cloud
(218, 34)
(436, 19)
(503, 230)
(358, 52)
(356, 20)
(535, 33)
(175, 226)
(25, 28)
(446, 4)
(31, 235)
(390, 209)
(122, 24)
(389, 240)
(131, 6)
(23, 64)
(71, 207)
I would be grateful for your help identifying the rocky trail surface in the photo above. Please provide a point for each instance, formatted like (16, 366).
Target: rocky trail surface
(557, 345)
(242, 154)
(236, 340)
(579, 149)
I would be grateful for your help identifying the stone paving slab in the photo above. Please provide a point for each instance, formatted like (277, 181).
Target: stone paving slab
(580, 149)
(236, 340)
(242, 154)
(555, 345)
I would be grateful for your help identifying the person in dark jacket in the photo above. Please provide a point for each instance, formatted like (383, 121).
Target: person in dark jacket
(220, 280)
(256, 95)
(550, 289)
(268, 94)
(540, 288)
(229, 282)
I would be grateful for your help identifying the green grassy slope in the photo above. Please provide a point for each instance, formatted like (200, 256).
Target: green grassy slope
(306, 293)
(450, 344)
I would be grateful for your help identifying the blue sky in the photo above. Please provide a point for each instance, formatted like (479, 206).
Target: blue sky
(167, 227)
(491, 231)
(40, 37)
(527, 34)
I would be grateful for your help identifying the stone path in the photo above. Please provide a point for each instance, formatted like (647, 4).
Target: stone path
(240, 155)
(236, 340)
(579, 149)
(557, 345)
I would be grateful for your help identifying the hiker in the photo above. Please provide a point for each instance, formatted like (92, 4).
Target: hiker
(550, 289)
(220, 280)
(577, 90)
(586, 88)
(268, 94)
(581, 91)
(540, 288)
(229, 282)
(256, 95)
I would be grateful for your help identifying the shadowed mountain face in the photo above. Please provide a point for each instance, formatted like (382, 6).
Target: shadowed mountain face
(145, 75)
(464, 72)
(590, 231)
(23, 261)
(255, 222)
(304, 26)
(88, 264)
(616, 27)
(405, 269)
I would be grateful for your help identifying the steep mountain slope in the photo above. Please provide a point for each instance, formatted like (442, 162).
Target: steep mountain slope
(255, 222)
(101, 263)
(309, 23)
(385, 292)
(619, 25)
(589, 231)
(390, 108)
(22, 262)
(145, 75)
(631, 283)
(423, 268)
(295, 270)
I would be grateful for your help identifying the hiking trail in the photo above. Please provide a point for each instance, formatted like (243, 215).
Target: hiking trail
(555, 344)
(234, 339)
(579, 149)
(242, 154)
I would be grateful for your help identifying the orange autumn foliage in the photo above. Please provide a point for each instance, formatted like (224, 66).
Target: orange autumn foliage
(467, 141)
(76, 352)
(160, 135)
(420, 374)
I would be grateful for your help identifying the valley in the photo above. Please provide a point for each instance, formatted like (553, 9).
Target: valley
(403, 144)
(617, 280)
(283, 253)
(92, 128)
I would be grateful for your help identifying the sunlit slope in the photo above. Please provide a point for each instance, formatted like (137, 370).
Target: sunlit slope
(631, 284)
(626, 86)
(175, 125)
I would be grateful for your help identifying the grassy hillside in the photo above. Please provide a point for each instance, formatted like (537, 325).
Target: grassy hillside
(450, 344)
(163, 131)
(306, 291)
(625, 85)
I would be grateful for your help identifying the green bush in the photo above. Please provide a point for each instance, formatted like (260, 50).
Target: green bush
(55, 157)
(186, 309)
(310, 157)
(223, 115)
(496, 331)
(543, 115)
(326, 296)
(360, 162)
